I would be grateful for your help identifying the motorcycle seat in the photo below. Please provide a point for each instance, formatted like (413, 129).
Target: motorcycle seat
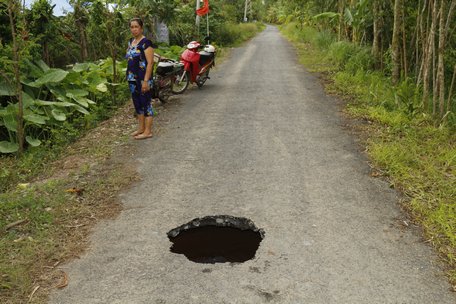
(164, 68)
(205, 57)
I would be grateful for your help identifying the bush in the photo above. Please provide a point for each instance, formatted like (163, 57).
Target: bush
(84, 93)
(324, 39)
(360, 60)
(171, 52)
(227, 35)
(350, 57)
(418, 158)
(408, 97)
(296, 33)
(340, 52)
(233, 34)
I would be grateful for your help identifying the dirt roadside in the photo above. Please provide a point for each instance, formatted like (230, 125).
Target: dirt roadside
(87, 179)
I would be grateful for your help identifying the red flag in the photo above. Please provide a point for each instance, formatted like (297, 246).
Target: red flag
(203, 10)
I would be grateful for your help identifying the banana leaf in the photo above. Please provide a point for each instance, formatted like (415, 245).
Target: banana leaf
(348, 16)
(324, 15)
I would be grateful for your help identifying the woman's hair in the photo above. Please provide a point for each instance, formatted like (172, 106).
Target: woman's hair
(140, 22)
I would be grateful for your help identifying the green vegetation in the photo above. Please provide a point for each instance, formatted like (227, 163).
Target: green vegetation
(47, 101)
(39, 49)
(394, 63)
(53, 217)
(59, 105)
(235, 34)
(413, 149)
(60, 79)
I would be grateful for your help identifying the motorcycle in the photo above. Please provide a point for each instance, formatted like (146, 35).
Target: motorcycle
(165, 83)
(196, 65)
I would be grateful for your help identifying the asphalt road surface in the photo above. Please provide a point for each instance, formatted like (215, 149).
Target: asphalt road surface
(261, 140)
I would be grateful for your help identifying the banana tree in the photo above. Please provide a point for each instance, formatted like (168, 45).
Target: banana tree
(327, 19)
(358, 16)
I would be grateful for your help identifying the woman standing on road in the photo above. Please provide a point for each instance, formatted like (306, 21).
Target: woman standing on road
(140, 56)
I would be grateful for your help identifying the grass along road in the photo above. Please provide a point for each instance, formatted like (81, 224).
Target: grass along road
(415, 156)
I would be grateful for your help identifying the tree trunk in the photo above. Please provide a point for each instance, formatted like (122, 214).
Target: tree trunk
(440, 85)
(79, 15)
(341, 19)
(110, 23)
(83, 42)
(424, 38)
(13, 10)
(376, 40)
(429, 55)
(442, 88)
(46, 56)
(435, 93)
(114, 75)
(114, 70)
(395, 46)
(450, 93)
(418, 33)
(404, 45)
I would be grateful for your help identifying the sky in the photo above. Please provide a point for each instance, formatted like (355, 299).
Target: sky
(58, 9)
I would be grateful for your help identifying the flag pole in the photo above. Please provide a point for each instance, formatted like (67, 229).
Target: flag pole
(197, 16)
(207, 18)
(245, 11)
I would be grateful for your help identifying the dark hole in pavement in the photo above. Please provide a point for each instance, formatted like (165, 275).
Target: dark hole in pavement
(217, 239)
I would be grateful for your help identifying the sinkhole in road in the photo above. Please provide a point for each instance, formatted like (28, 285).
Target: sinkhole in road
(217, 239)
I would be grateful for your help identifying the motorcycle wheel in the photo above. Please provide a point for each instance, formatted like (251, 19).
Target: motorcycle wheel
(179, 86)
(202, 79)
(163, 97)
(165, 89)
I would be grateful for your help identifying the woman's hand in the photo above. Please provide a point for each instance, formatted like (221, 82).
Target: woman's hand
(145, 86)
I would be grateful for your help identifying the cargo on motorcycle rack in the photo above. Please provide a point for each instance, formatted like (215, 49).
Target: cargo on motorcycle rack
(165, 80)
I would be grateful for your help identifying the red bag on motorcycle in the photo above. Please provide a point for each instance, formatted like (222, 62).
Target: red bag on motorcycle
(193, 58)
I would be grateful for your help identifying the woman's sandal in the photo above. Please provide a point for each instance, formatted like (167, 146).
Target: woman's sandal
(142, 136)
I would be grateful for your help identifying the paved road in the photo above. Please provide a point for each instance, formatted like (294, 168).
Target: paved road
(263, 141)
